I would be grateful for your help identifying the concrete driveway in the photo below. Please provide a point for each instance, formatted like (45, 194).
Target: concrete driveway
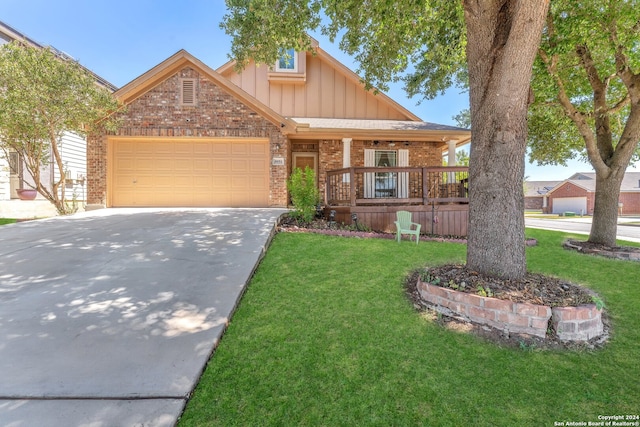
(107, 318)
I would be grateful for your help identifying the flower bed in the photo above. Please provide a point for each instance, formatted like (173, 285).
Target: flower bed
(580, 323)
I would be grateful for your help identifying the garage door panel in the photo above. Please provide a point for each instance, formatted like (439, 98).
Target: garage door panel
(223, 149)
(202, 148)
(569, 204)
(190, 173)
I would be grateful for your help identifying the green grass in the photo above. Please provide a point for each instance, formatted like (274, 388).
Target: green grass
(4, 221)
(325, 336)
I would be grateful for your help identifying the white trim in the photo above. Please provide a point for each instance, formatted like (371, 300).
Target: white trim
(403, 177)
(369, 178)
(346, 158)
(288, 70)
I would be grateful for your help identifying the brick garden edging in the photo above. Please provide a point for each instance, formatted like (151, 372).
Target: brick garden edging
(570, 323)
(577, 323)
(611, 253)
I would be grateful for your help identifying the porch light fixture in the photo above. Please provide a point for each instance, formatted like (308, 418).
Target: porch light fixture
(276, 147)
(376, 142)
(332, 217)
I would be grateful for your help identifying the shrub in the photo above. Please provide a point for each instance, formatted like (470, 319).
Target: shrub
(304, 193)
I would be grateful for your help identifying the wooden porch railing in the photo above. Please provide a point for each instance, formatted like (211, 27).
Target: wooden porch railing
(361, 186)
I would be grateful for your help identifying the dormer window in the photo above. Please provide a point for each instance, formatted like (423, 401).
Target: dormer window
(288, 61)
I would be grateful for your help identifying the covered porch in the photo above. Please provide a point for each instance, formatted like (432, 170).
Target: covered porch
(437, 196)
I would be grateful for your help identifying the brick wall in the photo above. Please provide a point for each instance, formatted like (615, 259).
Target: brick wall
(420, 154)
(570, 190)
(629, 200)
(630, 203)
(217, 114)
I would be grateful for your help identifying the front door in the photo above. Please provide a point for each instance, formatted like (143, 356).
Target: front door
(302, 160)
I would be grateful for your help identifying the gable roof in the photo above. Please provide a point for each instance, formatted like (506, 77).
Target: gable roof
(539, 188)
(8, 34)
(587, 181)
(181, 59)
(343, 70)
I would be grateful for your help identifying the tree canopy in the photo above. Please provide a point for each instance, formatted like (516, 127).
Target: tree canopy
(430, 45)
(587, 96)
(42, 95)
(586, 51)
(421, 43)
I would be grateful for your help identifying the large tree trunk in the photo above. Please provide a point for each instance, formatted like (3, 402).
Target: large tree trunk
(502, 42)
(604, 225)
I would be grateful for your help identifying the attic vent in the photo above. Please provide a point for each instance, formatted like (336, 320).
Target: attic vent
(187, 91)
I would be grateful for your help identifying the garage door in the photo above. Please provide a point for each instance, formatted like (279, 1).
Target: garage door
(189, 172)
(570, 204)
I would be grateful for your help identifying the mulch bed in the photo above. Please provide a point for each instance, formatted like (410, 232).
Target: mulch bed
(618, 252)
(533, 288)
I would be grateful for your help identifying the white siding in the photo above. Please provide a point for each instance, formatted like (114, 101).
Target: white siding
(4, 178)
(73, 150)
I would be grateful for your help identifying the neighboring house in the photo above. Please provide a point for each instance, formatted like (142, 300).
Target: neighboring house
(535, 194)
(577, 194)
(195, 136)
(13, 173)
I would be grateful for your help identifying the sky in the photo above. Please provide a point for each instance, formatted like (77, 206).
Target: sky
(122, 39)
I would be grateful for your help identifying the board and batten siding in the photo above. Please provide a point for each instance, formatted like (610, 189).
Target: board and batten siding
(327, 93)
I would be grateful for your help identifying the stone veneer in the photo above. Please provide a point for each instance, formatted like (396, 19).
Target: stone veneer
(570, 323)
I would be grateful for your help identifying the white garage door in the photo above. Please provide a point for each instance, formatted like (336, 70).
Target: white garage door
(570, 204)
(169, 172)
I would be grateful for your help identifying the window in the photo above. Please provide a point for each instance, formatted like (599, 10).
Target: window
(188, 92)
(386, 184)
(288, 61)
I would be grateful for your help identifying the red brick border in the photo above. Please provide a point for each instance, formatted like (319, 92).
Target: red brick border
(577, 323)
(570, 323)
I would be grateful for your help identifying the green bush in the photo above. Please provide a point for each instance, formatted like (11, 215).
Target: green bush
(304, 193)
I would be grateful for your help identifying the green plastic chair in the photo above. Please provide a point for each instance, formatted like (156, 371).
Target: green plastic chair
(405, 226)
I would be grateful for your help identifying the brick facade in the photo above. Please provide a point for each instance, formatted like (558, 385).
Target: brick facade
(630, 200)
(630, 203)
(571, 190)
(421, 154)
(158, 113)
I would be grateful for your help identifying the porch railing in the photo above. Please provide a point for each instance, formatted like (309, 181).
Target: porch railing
(358, 186)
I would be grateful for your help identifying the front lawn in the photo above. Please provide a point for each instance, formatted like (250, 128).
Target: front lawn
(325, 336)
(4, 221)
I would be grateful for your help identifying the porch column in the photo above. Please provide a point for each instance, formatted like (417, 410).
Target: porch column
(451, 159)
(346, 157)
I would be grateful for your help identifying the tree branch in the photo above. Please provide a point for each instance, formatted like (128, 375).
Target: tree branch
(578, 117)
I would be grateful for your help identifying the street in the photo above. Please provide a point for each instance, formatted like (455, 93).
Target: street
(582, 225)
